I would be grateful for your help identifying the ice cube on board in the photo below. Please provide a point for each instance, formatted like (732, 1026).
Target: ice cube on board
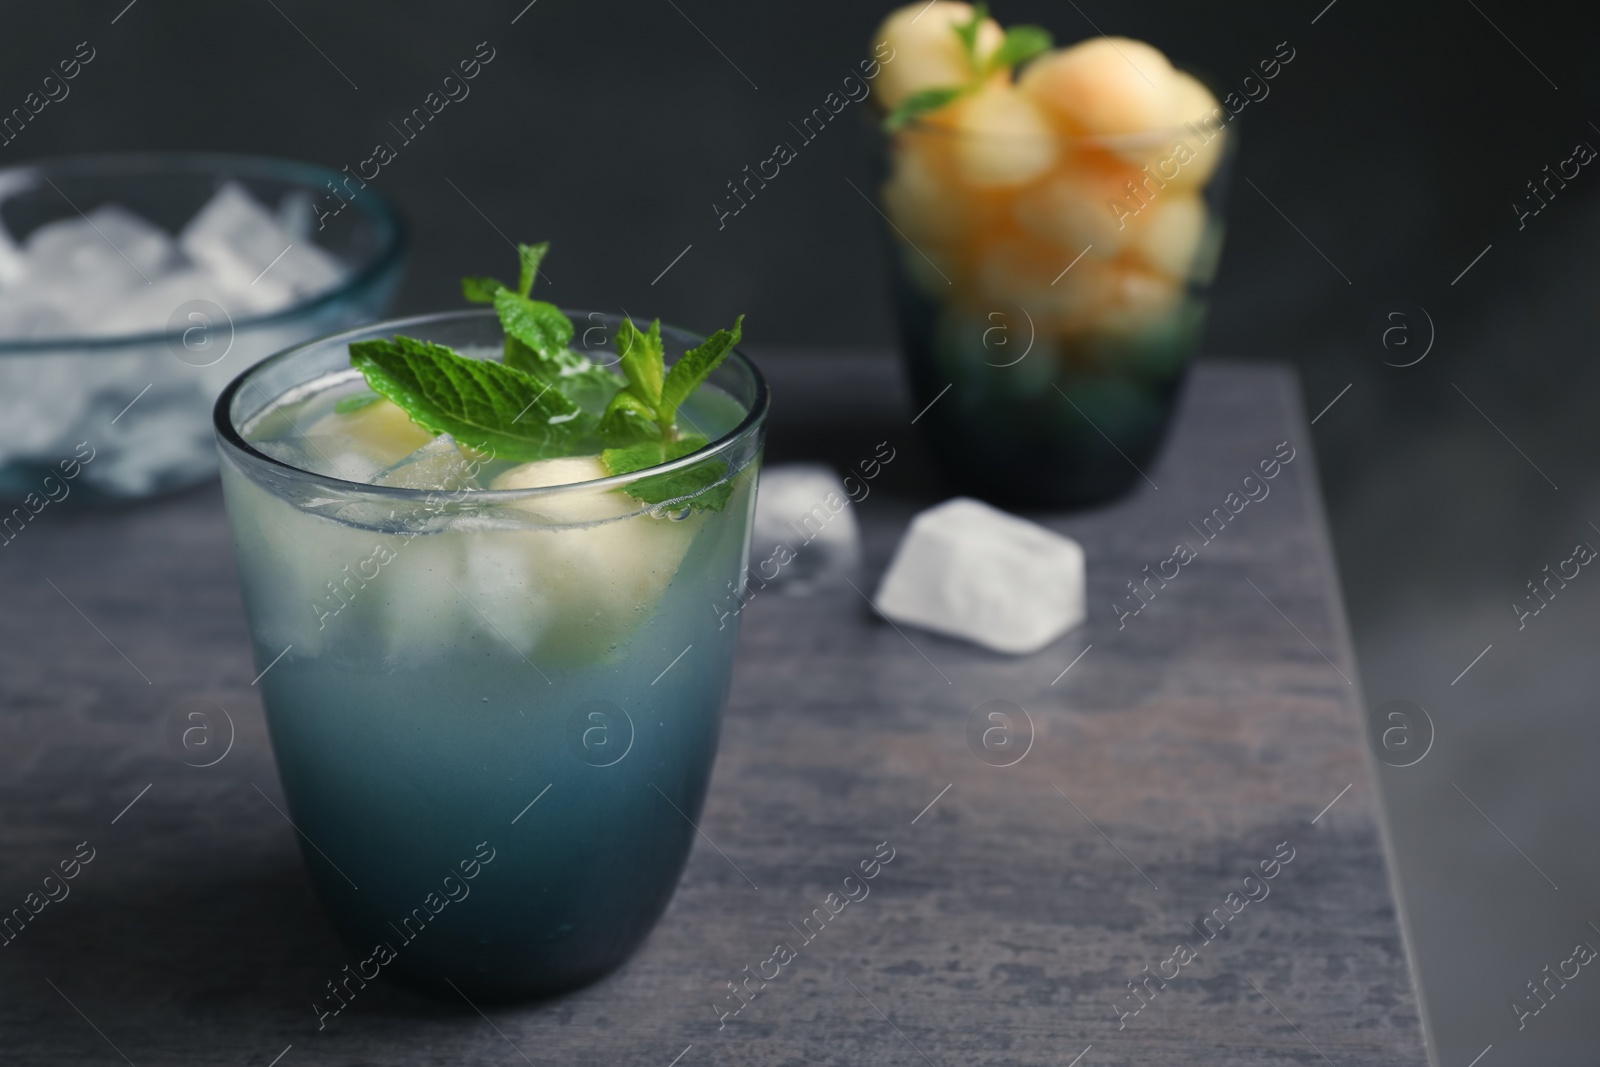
(967, 570)
(803, 507)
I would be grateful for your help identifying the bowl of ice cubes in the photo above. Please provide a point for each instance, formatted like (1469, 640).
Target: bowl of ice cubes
(134, 287)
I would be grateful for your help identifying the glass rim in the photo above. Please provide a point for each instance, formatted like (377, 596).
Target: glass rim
(229, 436)
(396, 237)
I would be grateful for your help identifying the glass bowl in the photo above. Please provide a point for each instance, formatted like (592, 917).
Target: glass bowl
(1050, 293)
(124, 417)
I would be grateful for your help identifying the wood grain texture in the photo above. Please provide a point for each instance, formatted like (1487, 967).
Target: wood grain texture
(1191, 743)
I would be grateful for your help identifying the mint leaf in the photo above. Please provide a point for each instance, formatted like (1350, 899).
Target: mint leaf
(643, 362)
(1021, 44)
(520, 357)
(628, 420)
(540, 326)
(586, 384)
(480, 290)
(702, 486)
(635, 457)
(920, 103)
(485, 405)
(695, 365)
(639, 425)
(968, 32)
(356, 403)
(531, 256)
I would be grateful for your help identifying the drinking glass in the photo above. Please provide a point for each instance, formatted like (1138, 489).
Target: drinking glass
(494, 714)
(1050, 293)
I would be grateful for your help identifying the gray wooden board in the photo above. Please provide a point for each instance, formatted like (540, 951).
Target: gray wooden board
(1219, 723)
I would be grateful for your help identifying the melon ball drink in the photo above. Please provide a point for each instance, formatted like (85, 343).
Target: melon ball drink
(1054, 226)
(480, 555)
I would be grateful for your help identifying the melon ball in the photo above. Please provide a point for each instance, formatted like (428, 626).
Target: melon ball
(381, 432)
(1080, 208)
(1195, 104)
(1170, 239)
(1011, 274)
(919, 49)
(591, 576)
(1192, 101)
(1001, 138)
(1134, 302)
(1105, 86)
(920, 200)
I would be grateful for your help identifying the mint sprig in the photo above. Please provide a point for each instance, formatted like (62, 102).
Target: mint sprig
(921, 103)
(642, 418)
(704, 485)
(968, 32)
(1021, 43)
(538, 334)
(542, 400)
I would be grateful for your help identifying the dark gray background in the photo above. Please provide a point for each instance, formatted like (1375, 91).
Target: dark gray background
(1396, 143)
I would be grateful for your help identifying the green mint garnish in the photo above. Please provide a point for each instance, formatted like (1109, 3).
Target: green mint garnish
(538, 334)
(1021, 44)
(539, 327)
(487, 406)
(544, 401)
(968, 32)
(481, 290)
(697, 485)
(921, 103)
(640, 423)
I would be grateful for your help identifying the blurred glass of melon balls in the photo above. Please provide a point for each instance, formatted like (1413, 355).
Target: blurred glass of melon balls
(1054, 225)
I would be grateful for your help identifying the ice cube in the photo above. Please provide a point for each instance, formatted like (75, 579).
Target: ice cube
(295, 214)
(439, 464)
(306, 269)
(42, 402)
(24, 315)
(330, 455)
(12, 266)
(381, 433)
(601, 565)
(110, 248)
(965, 569)
(804, 508)
(241, 243)
(150, 308)
(158, 445)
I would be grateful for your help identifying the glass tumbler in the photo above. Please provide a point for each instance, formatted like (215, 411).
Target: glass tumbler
(494, 716)
(1050, 293)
